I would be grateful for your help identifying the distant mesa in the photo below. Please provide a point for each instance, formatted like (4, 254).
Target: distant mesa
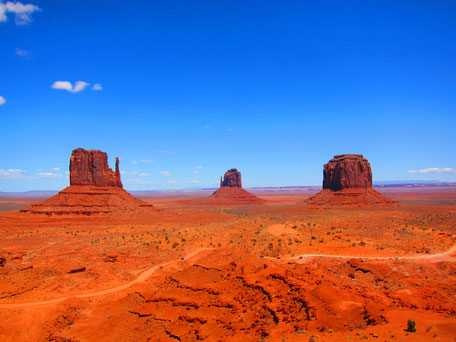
(347, 180)
(94, 190)
(231, 191)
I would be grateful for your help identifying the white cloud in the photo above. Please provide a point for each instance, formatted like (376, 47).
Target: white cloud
(198, 167)
(171, 182)
(22, 13)
(97, 87)
(56, 168)
(2, 100)
(147, 161)
(194, 181)
(21, 53)
(128, 172)
(65, 85)
(434, 170)
(134, 162)
(12, 173)
(165, 173)
(163, 151)
(143, 175)
(22, 175)
(196, 172)
(48, 175)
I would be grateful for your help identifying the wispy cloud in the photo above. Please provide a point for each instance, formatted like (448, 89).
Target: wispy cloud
(198, 167)
(134, 162)
(2, 100)
(165, 173)
(163, 151)
(434, 170)
(171, 182)
(194, 181)
(143, 174)
(12, 173)
(22, 12)
(147, 161)
(23, 175)
(97, 87)
(56, 168)
(196, 172)
(128, 172)
(49, 175)
(65, 85)
(22, 53)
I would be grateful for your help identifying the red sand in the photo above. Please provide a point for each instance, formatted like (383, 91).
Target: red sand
(231, 286)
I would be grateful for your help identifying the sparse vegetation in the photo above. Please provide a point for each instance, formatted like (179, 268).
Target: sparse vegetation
(411, 326)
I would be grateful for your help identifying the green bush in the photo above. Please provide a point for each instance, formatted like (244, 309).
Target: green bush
(411, 326)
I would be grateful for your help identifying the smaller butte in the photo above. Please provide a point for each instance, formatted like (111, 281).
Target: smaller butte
(94, 190)
(347, 180)
(230, 192)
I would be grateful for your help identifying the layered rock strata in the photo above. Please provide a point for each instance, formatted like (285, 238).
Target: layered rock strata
(347, 180)
(231, 178)
(94, 190)
(231, 191)
(90, 167)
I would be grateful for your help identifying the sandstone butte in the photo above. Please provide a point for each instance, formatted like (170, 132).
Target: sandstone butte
(347, 180)
(94, 190)
(231, 191)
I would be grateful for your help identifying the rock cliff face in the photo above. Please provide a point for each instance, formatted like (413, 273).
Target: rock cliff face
(232, 178)
(347, 181)
(230, 192)
(347, 171)
(90, 167)
(94, 190)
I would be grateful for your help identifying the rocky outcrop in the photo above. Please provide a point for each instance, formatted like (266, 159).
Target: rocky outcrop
(90, 167)
(347, 171)
(94, 190)
(231, 191)
(232, 179)
(347, 180)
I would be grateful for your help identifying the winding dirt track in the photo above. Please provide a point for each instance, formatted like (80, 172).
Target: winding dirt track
(148, 272)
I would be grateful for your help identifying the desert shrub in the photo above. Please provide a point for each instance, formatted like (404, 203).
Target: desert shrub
(411, 326)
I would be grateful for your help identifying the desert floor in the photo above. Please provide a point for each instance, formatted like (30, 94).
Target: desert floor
(282, 271)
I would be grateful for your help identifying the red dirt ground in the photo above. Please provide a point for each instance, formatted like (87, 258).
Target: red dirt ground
(242, 278)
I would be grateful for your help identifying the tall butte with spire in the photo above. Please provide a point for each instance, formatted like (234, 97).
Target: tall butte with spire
(347, 180)
(231, 191)
(94, 190)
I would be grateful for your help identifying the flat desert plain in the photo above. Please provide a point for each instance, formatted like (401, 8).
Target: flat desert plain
(280, 271)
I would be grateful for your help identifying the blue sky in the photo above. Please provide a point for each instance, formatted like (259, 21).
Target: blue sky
(194, 88)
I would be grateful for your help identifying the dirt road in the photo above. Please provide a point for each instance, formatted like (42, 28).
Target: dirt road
(148, 272)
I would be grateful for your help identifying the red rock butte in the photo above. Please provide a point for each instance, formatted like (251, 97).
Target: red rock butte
(231, 191)
(347, 180)
(94, 190)
(91, 168)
